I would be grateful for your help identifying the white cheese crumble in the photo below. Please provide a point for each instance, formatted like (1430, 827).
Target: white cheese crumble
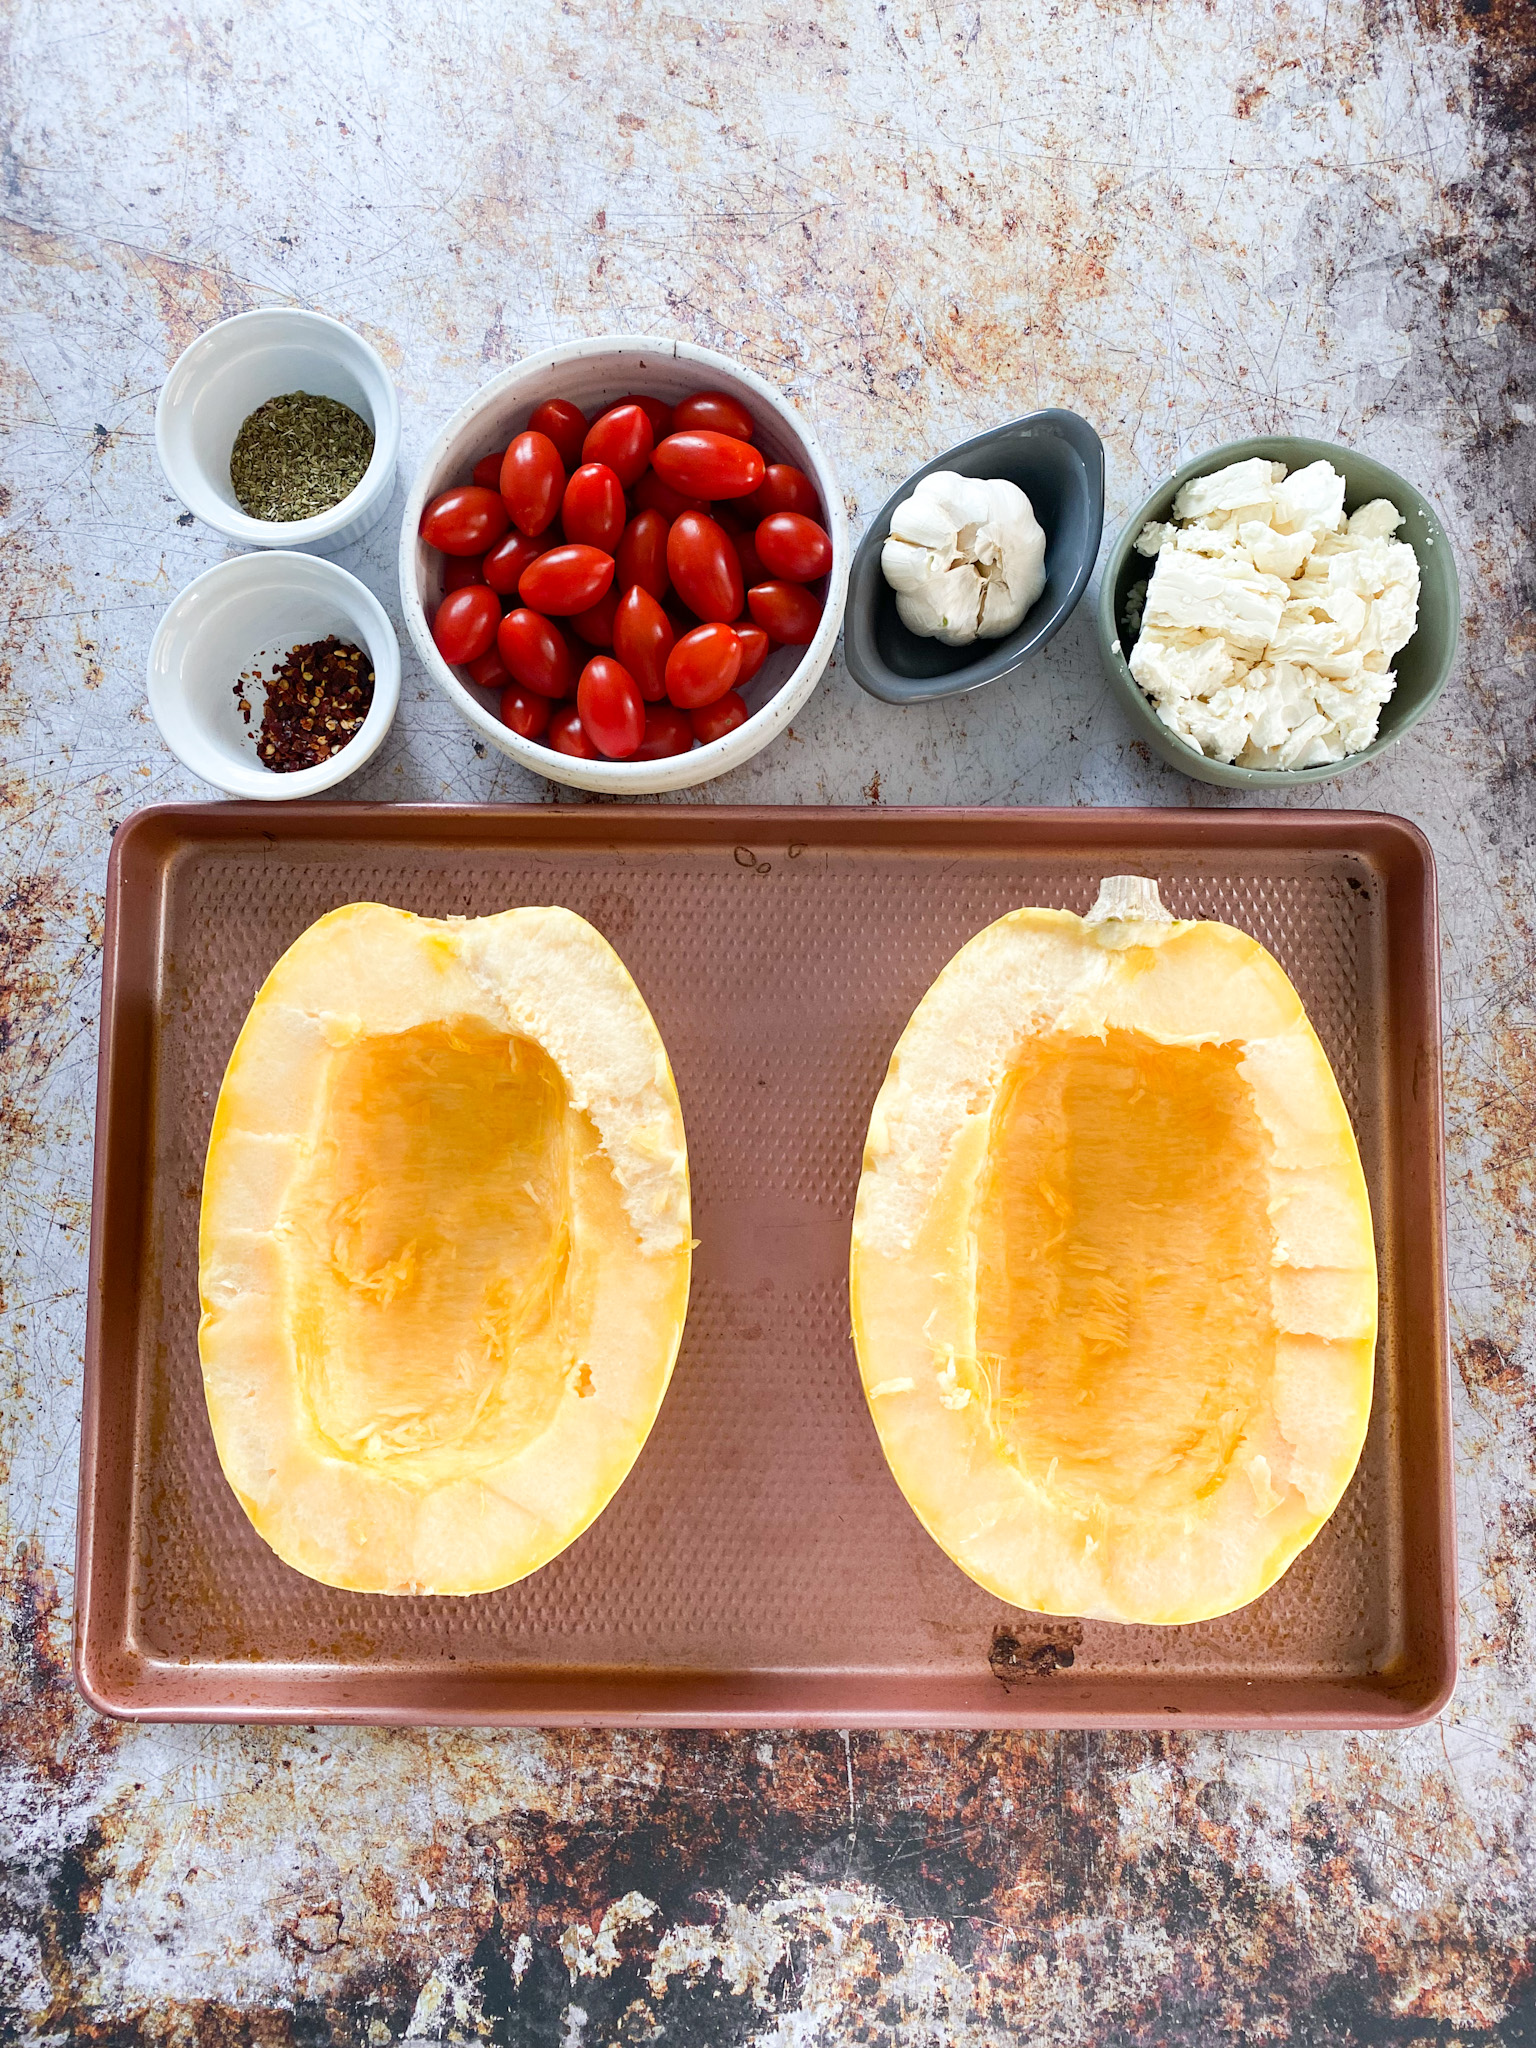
(1268, 627)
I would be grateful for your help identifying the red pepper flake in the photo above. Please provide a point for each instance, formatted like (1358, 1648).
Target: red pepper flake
(316, 700)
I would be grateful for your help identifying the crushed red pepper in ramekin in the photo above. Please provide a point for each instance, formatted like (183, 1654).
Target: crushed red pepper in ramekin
(316, 700)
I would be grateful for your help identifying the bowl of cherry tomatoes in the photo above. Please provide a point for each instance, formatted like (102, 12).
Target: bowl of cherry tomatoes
(625, 561)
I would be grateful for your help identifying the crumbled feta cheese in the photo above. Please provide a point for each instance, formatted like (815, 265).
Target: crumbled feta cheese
(1153, 536)
(1310, 500)
(1277, 554)
(1231, 489)
(1192, 592)
(1270, 621)
(1377, 521)
(1175, 665)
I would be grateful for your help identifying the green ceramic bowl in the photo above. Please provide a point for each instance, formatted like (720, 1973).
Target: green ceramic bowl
(1422, 666)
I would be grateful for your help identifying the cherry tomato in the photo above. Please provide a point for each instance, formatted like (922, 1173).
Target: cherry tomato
(524, 711)
(703, 666)
(565, 580)
(667, 731)
(465, 623)
(652, 495)
(708, 465)
(783, 489)
(754, 650)
(642, 556)
(462, 570)
(564, 424)
(595, 624)
(464, 521)
(656, 411)
(532, 480)
(793, 547)
(714, 721)
(715, 411)
(752, 569)
(508, 559)
(536, 653)
(567, 734)
(787, 612)
(612, 711)
(592, 510)
(704, 567)
(642, 640)
(623, 439)
(490, 671)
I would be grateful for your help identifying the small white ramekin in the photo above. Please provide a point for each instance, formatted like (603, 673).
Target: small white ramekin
(221, 378)
(593, 374)
(247, 613)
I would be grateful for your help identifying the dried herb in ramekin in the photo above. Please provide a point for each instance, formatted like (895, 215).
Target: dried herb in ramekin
(298, 455)
(316, 700)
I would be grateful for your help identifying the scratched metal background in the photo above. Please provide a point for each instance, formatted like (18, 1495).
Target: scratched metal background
(1191, 221)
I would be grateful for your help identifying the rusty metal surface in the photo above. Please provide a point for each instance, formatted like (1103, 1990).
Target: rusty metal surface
(1187, 221)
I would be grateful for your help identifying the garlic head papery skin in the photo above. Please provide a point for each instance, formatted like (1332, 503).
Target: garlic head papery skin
(965, 557)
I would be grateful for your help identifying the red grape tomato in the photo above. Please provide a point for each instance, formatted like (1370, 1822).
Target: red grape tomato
(611, 707)
(526, 713)
(787, 612)
(704, 464)
(623, 439)
(717, 411)
(703, 666)
(567, 734)
(714, 721)
(642, 640)
(464, 521)
(667, 732)
(793, 547)
(784, 489)
(656, 410)
(564, 424)
(536, 653)
(565, 580)
(465, 623)
(532, 481)
(592, 510)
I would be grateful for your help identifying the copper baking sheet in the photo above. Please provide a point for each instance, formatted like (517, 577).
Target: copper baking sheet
(759, 1567)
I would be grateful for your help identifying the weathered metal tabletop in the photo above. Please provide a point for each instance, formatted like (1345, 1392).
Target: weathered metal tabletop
(1189, 222)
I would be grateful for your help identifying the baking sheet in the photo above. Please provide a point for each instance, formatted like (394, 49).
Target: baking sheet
(759, 1567)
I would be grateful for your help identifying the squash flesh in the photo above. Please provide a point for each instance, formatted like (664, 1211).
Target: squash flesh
(1122, 1230)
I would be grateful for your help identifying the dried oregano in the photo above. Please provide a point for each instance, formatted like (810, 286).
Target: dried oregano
(298, 455)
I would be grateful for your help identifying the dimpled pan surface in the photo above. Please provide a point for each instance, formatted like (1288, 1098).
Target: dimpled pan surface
(759, 1566)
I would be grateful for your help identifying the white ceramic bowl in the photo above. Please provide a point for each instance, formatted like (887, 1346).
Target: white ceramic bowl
(244, 614)
(594, 374)
(217, 382)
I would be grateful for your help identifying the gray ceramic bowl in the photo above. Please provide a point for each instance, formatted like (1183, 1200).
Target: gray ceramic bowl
(1422, 666)
(1057, 460)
